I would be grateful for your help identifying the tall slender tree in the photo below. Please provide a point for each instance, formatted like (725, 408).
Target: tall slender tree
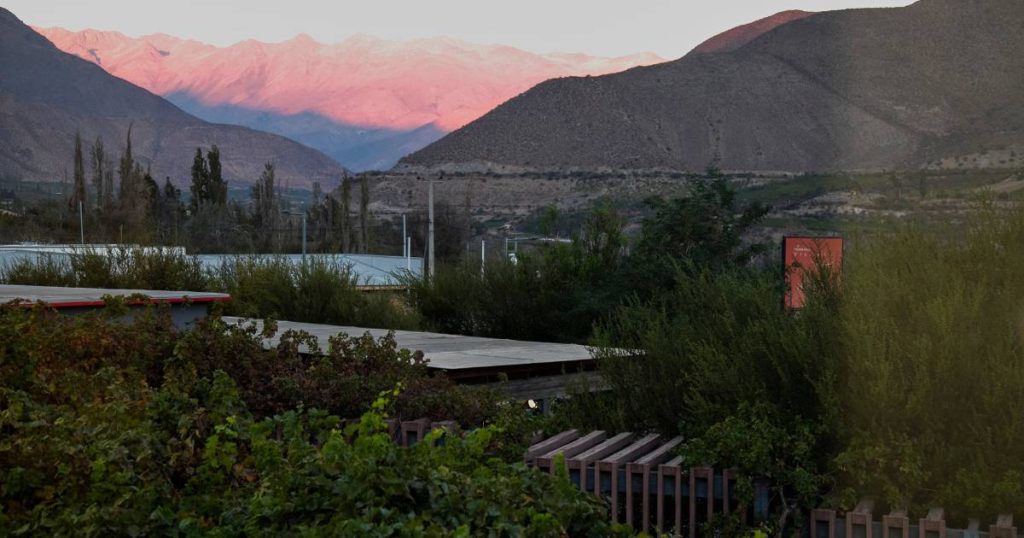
(266, 208)
(168, 212)
(78, 189)
(200, 182)
(108, 184)
(127, 194)
(364, 214)
(218, 188)
(346, 210)
(99, 160)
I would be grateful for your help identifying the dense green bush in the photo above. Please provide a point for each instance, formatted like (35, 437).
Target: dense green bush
(718, 360)
(153, 269)
(111, 428)
(903, 385)
(315, 290)
(554, 293)
(527, 301)
(933, 381)
(558, 292)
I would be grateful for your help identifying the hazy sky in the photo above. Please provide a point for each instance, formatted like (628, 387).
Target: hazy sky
(669, 28)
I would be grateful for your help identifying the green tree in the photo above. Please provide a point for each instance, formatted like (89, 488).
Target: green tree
(79, 191)
(200, 185)
(364, 214)
(101, 173)
(266, 209)
(703, 229)
(932, 386)
(128, 191)
(217, 187)
(344, 223)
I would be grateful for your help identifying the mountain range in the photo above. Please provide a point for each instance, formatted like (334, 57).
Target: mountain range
(365, 101)
(47, 95)
(860, 89)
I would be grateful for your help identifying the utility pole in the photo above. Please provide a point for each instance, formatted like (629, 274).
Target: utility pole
(430, 229)
(408, 253)
(81, 223)
(483, 255)
(405, 252)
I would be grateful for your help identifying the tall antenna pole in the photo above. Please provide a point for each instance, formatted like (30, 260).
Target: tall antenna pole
(483, 254)
(405, 252)
(430, 229)
(303, 235)
(81, 223)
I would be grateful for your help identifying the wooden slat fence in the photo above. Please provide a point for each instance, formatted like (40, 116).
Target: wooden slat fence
(647, 486)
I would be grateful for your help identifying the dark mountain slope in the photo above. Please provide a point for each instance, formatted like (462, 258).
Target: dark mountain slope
(843, 90)
(735, 38)
(46, 95)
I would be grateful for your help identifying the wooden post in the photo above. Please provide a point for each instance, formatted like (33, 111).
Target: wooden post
(707, 474)
(820, 518)
(897, 520)
(933, 525)
(1003, 527)
(860, 517)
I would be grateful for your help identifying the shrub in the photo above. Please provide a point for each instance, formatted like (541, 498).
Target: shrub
(933, 370)
(316, 290)
(134, 429)
(553, 293)
(123, 267)
(719, 361)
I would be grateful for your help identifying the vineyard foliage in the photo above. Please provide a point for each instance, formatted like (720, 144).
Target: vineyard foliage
(133, 428)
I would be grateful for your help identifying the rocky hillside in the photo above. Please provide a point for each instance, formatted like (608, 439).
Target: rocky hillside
(741, 35)
(364, 101)
(844, 90)
(47, 95)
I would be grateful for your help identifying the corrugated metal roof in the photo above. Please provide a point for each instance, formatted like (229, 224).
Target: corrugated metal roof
(450, 352)
(58, 297)
(369, 270)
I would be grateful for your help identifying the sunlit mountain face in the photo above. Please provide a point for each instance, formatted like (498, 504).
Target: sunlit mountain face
(365, 101)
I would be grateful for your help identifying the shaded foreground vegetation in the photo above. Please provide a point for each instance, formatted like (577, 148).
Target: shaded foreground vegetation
(137, 429)
(902, 380)
(902, 384)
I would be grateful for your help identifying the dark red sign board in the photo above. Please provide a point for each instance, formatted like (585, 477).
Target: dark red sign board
(801, 255)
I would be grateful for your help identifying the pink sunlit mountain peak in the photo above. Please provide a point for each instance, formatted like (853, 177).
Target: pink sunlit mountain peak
(362, 82)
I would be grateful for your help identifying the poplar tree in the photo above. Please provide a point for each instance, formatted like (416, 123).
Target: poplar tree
(200, 181)
(346, 209)
(126, 172)
(364, 209)
(265, 207)
(78, 192)
(217, 187)
(208, 185)
(99, 161)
